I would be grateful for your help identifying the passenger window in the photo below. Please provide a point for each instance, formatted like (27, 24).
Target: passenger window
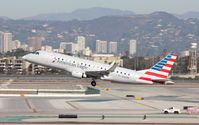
(36, 53)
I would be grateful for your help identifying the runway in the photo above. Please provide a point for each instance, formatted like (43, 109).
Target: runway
(113, 103)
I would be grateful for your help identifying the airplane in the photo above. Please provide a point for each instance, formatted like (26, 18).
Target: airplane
(82, 68)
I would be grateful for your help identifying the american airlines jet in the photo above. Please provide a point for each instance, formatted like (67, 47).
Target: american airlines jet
(82, 68)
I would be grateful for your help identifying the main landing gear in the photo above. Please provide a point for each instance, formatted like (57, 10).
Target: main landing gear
(93, 83)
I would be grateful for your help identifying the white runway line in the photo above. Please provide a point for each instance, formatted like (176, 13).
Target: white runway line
(5, 85)
(51, 95)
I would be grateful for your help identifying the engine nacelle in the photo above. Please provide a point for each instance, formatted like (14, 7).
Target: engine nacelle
(79, 74)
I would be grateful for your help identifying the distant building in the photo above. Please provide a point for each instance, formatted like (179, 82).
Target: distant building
(81, 43)
(106, 58)
(58, 50)
(62, 45)
(16, 44)
(69, 47)
(87, 51)
(1, 42)
(5, 42)
(35, 42)
(47, 48)
(132, 47)
(101, 46)
(193, 59)
(184, 53)
(25, 47)
(10, 65)
(113, 47)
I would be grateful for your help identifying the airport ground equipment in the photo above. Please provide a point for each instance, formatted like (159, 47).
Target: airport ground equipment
(172, 110)
(192, 109)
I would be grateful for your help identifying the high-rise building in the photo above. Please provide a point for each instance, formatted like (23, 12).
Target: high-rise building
(35, 42)
(81, 43)
(132, 47)
(1, 42)
(69, 47)
(5, 41)
(101, 46)
(112, 47)
(193, 59)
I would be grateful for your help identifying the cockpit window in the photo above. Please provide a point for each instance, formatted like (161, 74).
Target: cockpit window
(36, 53)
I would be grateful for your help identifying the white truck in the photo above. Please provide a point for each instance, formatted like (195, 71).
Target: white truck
(172, 110)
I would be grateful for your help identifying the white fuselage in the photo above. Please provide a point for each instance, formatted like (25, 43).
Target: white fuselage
(75, 64)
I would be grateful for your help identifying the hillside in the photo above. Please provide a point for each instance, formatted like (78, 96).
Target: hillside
(153, 32)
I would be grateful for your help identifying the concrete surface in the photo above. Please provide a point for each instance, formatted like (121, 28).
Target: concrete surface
(112, 103)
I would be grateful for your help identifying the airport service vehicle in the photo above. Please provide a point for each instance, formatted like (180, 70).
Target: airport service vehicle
(172, 110)
(192, 109)
(82, 68)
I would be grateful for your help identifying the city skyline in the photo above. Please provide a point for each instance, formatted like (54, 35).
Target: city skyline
(35, 7)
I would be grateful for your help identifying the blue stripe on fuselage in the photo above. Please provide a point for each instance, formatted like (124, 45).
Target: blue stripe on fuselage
(162, 61)
(158, 66)
(154, 68)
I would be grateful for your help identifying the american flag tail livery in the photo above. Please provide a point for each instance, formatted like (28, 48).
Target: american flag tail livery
(160, 71)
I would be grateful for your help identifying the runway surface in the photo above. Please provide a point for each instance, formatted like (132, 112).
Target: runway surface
(113, 103)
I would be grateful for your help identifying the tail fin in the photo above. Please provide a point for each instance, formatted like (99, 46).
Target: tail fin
(160, 71)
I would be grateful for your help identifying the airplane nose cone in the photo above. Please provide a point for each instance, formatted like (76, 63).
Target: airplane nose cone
(24, 57)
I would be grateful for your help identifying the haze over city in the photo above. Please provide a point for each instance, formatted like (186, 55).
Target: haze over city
(24, 8)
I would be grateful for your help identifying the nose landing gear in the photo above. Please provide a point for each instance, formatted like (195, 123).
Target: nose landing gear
(93, 83)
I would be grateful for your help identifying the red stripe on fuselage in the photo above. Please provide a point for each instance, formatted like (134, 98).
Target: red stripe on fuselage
(168, 65)
(156, 74)
(165, 70)
(172, 60)
(145, 78)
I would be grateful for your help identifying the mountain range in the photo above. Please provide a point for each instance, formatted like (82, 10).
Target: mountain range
(80, 14)
(93, 13)
(154, 32)
(190, 14)
(96, 12)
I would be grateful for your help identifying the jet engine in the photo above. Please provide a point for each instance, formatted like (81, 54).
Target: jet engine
(79, 74)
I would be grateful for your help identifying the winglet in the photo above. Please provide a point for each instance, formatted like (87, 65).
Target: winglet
(113, 66)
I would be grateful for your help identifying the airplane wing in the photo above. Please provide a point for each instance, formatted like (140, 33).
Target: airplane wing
(98, 74)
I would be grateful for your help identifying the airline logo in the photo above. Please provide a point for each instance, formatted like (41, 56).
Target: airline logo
(160, 70)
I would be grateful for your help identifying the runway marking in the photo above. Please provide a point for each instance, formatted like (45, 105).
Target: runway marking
(130, 100)
(73, 106)
(29, 105)
(5, 85)
(144, 104)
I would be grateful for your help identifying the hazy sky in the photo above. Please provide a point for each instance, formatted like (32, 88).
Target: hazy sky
(25, 8)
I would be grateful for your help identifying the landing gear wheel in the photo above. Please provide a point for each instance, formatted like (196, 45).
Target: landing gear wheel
(93, 83)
